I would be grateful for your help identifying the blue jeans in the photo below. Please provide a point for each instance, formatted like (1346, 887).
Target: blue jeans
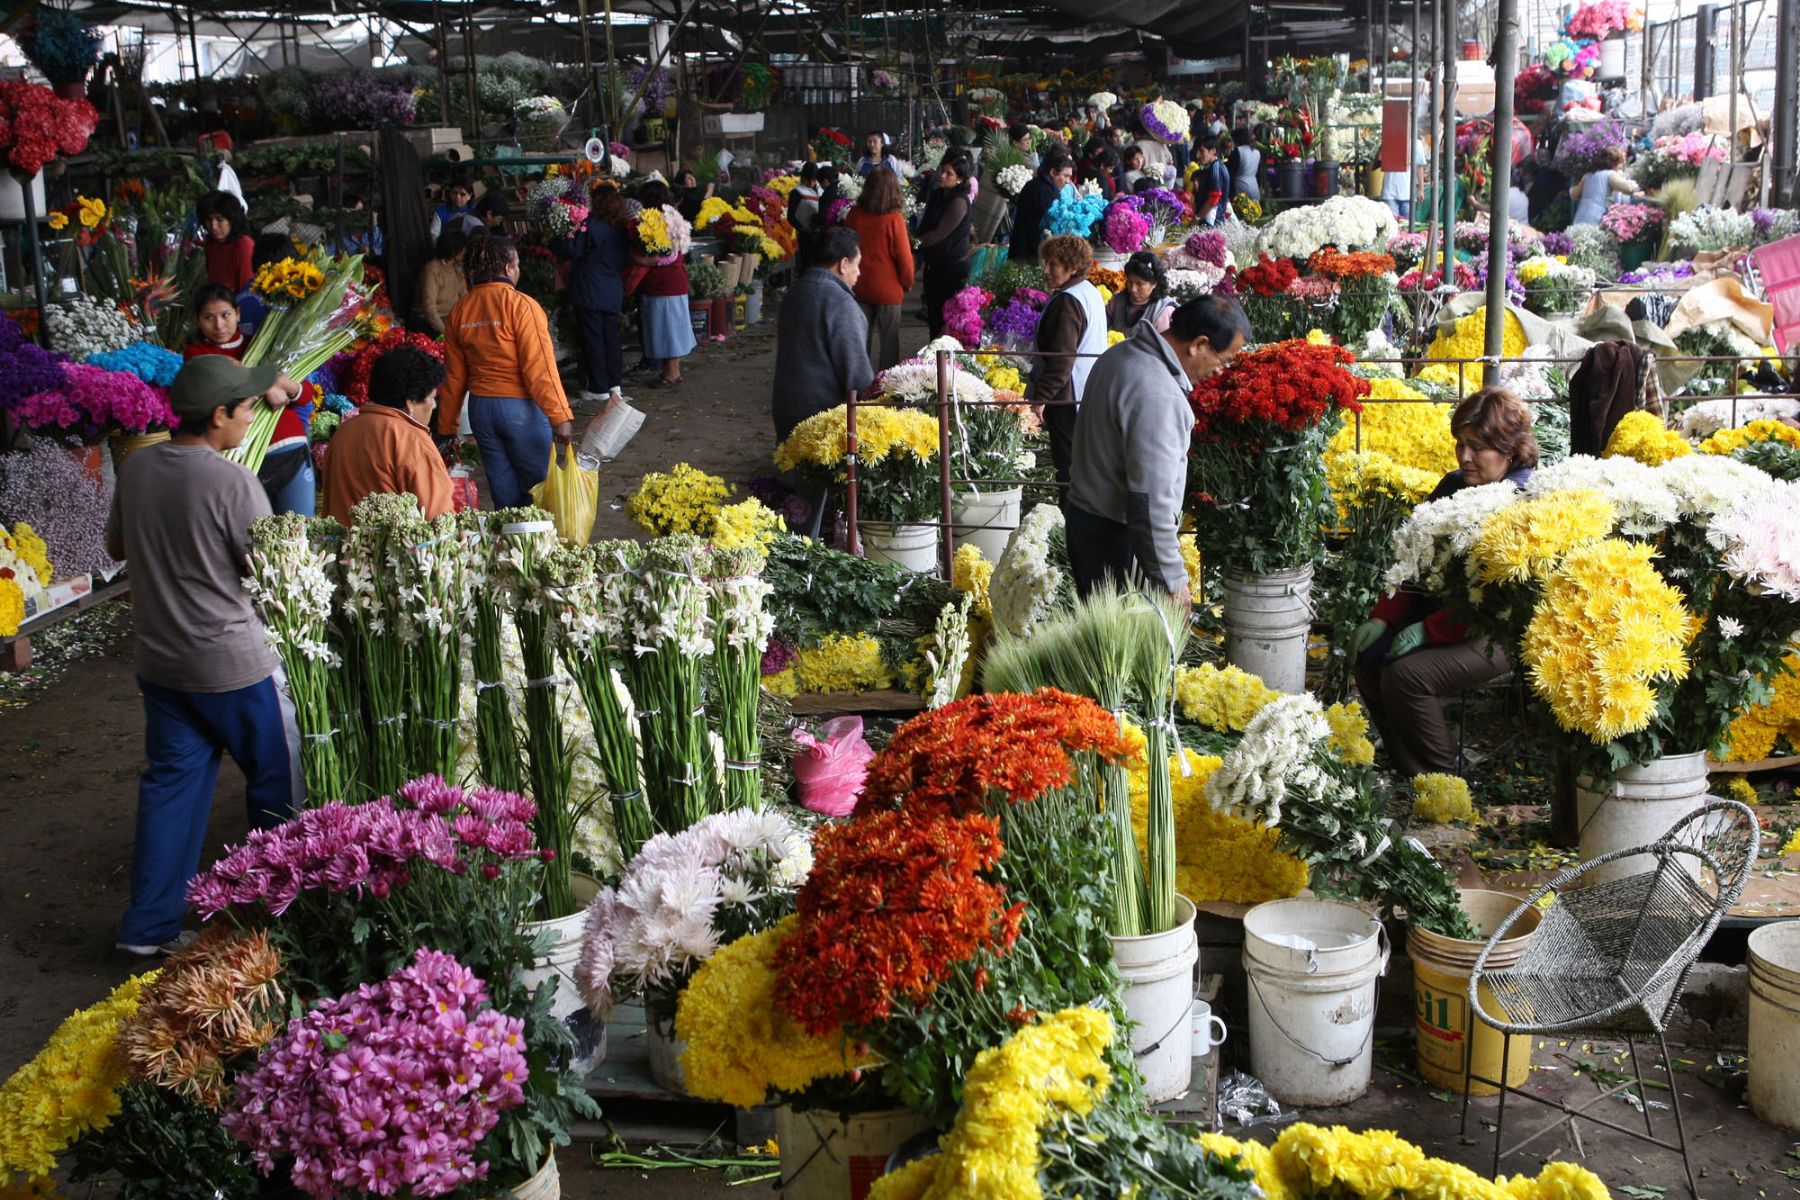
(514, 438)
(184, 735)
(301, 493)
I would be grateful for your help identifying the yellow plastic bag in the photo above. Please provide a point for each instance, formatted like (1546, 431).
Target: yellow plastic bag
(570, 493)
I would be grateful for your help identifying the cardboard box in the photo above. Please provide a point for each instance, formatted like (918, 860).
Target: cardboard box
(720, 123)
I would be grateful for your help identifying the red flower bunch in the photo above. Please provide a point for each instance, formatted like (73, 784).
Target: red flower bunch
(1333, 264)
(1290, 385)
(1018, 746)
(356, 383)
(1466, 279)
(36, 126)
(832, 135)
(894, 902)
(1269, 277)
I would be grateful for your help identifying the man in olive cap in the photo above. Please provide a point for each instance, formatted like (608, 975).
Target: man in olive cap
(180, 519)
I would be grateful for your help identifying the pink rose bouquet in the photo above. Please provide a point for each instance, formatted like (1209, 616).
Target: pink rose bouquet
(1630, 222)
(389, 1090)
(1603, 18)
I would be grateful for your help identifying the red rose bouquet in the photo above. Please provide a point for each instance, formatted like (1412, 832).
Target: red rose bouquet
(1256, 467)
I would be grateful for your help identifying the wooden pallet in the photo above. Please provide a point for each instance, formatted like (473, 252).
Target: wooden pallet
(15, 652)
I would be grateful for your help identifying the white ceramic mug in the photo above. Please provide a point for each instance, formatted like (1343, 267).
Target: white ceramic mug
(1209, 1030)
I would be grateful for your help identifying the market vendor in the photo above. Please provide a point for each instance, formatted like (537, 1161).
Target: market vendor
(181, 519)
(1145, 296)
(1413, 651)
(499, 357)
(459, 202)
(1130, 458)
(387, 447)
(225, 230)
(1071, 335)
(877, 154)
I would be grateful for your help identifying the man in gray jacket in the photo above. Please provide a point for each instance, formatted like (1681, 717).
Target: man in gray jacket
(1131, 442)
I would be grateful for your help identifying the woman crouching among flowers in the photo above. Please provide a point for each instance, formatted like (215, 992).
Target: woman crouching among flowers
(1413, 650)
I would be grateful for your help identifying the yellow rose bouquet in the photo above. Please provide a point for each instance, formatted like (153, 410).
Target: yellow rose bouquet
(896, 459)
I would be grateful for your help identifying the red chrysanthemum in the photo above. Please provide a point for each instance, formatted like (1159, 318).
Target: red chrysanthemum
(1003, 744)
(894, 902)
(1287, 386)
(356, 384)
(1269, 277)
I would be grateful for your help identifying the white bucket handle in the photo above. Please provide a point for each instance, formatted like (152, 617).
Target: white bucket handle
(1273, 1020)
(1187, 1014)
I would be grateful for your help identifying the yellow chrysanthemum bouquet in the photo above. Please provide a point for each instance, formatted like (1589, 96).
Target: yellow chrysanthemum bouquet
(1650, 605)
(896, 459)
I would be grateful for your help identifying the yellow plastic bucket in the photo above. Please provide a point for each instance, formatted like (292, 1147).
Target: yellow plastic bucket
(1449, 1037)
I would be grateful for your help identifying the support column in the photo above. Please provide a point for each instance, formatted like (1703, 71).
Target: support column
(1784, 145)
(1506, 65)
(1706, 28)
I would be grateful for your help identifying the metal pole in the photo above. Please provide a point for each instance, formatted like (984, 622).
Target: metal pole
(37, 255)
(947, 540)
(612, 79)
(474, 132)
(1737, 85)
(443, 54)
(1706, 21)
(1506, 64)
(1446, 195)
(855, 541)
(1420, 119)
(1784, 134)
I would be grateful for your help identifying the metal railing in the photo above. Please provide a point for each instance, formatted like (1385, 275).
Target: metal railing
(943, 404)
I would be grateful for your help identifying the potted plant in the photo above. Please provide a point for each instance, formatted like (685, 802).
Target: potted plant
(63, 47)
(1636, 227)
(1256, 491)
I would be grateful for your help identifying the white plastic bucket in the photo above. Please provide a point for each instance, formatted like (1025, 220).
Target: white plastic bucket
(827, 1157)
(12, 197)
(1312, 967)
(914, 547)
(1775, 1023)
(1266, 621)
(1158, 972)
(559, 963)
(1639, 805)
(545, 1185)
(664, 1050)
(986, 521)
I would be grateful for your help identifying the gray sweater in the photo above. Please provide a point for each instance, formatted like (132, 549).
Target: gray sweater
(821, 349)
(1131, 446)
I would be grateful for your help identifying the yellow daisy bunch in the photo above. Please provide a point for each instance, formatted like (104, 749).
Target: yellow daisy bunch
(1752, 734)
(683, 499)
(91, 211)
(1190, 558)
(781, 185)
(714, 209)
(1466, 338)
(1349, 738)
(767, 246)
(653, 232)
(1607, 629)
(1012, 1090)
(1113, 337)
(32, 551)
(1526, 541)
(1729, 441)
(1002, 376)
(1643, 436)
(1742, 790)
(1414, 432)
(782, 683)
(1221, 698)
(1360, 480)
(1218, 855)
(57, 221)
(1538, 266)
(971, 573)
(1439, 798)
(740, 1045)
(1254, 1155)
(842, 663)
(820, 440)
(12, 607)
(70, 1087)
(746, 523)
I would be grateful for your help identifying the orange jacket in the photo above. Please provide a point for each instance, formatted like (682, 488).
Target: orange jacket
(887, 260)
(382, 449)
(497, 343)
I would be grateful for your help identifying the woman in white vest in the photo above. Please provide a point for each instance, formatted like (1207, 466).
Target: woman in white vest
(1070, 336)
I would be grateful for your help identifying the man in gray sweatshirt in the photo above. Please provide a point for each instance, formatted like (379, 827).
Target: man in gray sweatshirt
(1129, 473)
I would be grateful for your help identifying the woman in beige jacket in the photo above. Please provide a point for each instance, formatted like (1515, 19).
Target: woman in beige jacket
(441, 283)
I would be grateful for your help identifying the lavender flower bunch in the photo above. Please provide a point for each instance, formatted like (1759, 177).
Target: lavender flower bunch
(47, 487)
(1581, 149)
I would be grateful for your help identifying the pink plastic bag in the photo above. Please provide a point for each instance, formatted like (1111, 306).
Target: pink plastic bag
(832, 770)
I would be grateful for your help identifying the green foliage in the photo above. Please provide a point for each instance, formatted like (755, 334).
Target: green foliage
(1777, 458)
(1266, 508)
(706, 281)
(1009, 277)
(303, 158)
(819, 590)
(164, 1147)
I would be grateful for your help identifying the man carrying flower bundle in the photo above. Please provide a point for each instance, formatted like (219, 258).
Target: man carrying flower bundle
(181, 518)
(1129, 474)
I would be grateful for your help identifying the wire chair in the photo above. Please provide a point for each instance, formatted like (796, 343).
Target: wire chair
(1610, 959)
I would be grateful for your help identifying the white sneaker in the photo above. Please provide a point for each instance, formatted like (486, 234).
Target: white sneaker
(180, 941)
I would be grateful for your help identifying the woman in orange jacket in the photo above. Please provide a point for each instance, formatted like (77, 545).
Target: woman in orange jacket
(498, 354)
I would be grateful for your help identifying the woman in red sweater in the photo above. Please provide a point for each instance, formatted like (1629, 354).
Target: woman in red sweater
(226, 239)
(1414, 649)
(887, 263)
(287, 469)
